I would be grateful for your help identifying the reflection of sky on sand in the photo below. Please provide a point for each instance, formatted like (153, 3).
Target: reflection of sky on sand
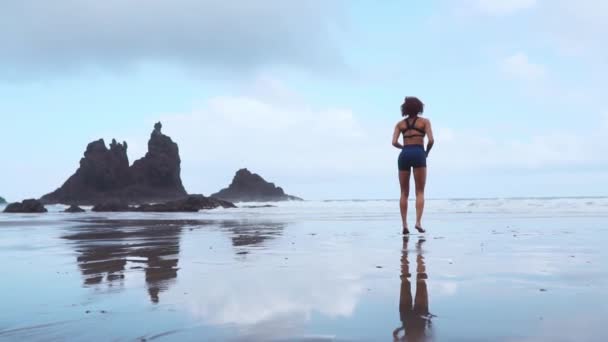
(273, 296)
(575, 328)
(274, 288)
(249, 296)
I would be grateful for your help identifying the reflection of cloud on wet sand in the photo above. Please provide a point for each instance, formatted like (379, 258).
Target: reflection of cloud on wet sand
(274, 296)
(270, 296)
(575, 328)
(444, 288)
(252, 296)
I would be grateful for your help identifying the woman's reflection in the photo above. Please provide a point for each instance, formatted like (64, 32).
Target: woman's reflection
(415, 316)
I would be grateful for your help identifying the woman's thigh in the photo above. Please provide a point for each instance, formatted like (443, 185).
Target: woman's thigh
(420, 178)
(404, 181)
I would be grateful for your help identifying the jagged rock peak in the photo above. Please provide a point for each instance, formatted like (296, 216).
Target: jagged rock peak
(119, 147)
(161, 166)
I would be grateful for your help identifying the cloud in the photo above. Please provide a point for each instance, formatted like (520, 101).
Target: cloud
(272, 130)
(576, 27)
(543, 150)
(61, 35)
(321, 152)
(519, 66)
(258, 128)
(501, 7)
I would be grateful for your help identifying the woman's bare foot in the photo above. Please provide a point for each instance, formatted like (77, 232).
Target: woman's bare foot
(406, 231)
(419, 229)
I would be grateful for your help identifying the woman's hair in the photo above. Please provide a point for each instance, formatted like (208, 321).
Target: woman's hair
(412, 106)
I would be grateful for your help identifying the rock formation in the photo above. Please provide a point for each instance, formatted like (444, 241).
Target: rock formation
(105, 175)
(102, 173)
(27, 206)
(251, 187)
(2, 200)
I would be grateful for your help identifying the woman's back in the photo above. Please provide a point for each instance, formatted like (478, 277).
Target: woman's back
(414, 130)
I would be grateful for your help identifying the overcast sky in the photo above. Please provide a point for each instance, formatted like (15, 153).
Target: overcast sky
(307, 93)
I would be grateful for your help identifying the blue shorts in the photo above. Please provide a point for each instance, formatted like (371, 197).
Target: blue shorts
(412, 156)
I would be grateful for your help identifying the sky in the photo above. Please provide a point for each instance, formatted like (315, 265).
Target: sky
(307, 93)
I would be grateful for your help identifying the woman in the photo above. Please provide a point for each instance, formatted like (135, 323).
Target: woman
(413, 156)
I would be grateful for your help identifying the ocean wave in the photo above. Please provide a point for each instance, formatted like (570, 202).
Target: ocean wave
(374, 209)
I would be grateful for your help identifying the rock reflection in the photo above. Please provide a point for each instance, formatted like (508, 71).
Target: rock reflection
(414, 315)
(251, 233)
(108, 250)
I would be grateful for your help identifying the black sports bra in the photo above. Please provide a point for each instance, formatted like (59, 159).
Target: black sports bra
(412, 126)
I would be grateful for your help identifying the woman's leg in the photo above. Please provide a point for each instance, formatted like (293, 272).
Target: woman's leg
(420, 180)
(404, 182)
(421, 301)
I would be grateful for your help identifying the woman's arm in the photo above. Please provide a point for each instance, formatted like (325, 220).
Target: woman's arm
(396, 135)
(429, 134)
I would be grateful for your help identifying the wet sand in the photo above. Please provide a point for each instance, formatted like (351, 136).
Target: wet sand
(261, 274)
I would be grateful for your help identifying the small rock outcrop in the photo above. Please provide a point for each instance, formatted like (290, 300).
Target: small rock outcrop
(251, 187)
(74, 209)
(2, 200)
(112, 207)
(105, 176)
(258, 206)
(192, 203)
(27, 206)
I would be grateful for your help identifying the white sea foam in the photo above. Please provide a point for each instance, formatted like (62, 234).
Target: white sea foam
(555, 205)
(364, 209)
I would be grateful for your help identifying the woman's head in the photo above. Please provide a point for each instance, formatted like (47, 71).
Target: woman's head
(412, 106)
